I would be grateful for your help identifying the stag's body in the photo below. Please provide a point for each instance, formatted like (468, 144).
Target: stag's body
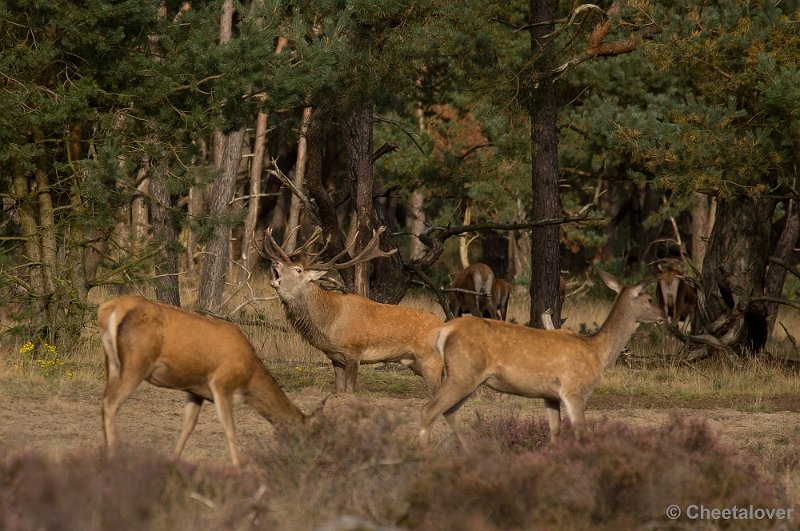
(208, 358)
(675, 296)
(557, 365)
(350, 329)
(479, 279)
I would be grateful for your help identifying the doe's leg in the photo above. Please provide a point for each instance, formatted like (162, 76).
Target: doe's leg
(118, 389)
(576, 411)
(191, 411)
(224, 404)
(450, 396)
(553, 408)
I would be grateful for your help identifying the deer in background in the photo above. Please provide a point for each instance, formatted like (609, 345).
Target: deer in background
(350, 329)
(501, 292)
(557, 365)
(675, 295)
(473, 295)
(208, 358)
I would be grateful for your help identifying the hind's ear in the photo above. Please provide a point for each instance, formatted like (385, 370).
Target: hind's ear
(609, 280)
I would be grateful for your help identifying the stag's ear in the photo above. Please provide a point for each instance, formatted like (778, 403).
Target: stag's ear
(315, 275)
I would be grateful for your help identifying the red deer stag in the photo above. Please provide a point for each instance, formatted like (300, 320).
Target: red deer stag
(501, 292)
(675, 296)
(475, 284)
(208, 358)
(348, 328)
(557, 365)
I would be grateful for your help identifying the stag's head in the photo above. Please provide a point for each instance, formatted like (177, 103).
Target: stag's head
(293, 272)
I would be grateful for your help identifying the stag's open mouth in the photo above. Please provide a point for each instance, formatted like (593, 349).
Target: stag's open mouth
(276, 276)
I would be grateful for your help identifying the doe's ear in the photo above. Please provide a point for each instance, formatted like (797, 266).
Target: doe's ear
(609, 280)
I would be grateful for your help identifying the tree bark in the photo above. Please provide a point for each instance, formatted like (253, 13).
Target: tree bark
(703, 216)
(165, 238)
(299, 177)
(776, 275)
(215, 261)
(33, 251)
(545, 258)
(415, 224)
(357, 129)
(735, 266)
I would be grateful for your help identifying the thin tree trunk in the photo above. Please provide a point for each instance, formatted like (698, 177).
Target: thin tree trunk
(249, 250)
(415, 224)
(545, 258)
(299, 177)
(703, 213)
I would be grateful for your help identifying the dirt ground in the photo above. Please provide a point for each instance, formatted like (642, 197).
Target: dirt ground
(151, 419)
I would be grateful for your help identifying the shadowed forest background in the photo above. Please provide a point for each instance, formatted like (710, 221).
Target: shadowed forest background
(147, 145)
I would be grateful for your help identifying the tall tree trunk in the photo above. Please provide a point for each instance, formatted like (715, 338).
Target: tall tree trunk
(299, 177)
(227, 158)
(545, 257)
(30, 231)
(735, 266)
(357, 128)
(215, 262)
(249, 250)
(165, 237)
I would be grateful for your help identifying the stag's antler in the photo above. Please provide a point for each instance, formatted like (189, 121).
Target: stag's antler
(274, 251)
(369, 252)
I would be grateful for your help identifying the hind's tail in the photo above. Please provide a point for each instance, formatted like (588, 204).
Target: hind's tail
(108, 319)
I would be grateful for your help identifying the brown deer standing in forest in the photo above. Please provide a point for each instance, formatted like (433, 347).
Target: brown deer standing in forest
(208, 358)
(557, 365)
(351, 329)
(501, 293)
(475, 283)
(675, 296)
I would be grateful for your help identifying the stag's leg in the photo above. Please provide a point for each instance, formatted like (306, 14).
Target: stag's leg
(350, 375)
(191, 411)
(339, 380)
(224, 404)
(119, 387)
(553, 408)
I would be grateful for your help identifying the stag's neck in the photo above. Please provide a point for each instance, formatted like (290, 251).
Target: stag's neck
(311, 314)
(265, 396)
(613, 336)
